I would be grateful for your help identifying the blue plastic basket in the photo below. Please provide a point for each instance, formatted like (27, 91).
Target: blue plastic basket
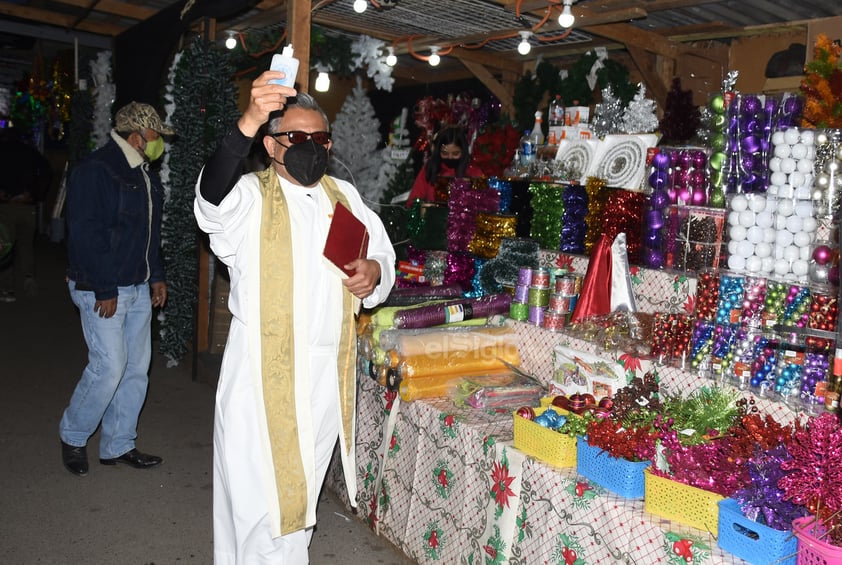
(756, 543)
(620, 476)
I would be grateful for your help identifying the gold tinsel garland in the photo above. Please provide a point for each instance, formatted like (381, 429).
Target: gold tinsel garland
(595, 187)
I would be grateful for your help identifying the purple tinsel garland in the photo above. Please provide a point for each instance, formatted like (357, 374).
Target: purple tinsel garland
(452, 311)
(573, 226)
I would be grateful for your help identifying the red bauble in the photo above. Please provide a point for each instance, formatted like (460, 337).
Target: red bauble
(526, 412)
(561, 401)
(606, 402)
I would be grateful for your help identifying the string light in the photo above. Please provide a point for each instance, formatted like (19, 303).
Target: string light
(524, 47)
(434, 59)
(230, 41)
(322, 82)
(360, 6)
(566, 19)
(391, 59)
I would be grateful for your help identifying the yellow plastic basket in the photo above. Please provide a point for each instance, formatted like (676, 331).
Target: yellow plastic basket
(681, 503)
(543, 443)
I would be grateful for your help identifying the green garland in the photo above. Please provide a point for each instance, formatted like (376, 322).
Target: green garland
(530, 90)
(205, 101)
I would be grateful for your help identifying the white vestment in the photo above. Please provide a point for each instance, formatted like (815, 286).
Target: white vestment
(246, 511)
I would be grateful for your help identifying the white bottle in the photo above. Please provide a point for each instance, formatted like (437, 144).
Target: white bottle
(537, 137)
(287, 64)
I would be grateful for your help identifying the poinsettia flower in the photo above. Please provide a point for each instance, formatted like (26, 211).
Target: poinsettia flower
(433, 540)
(490, 550)
(683, 548)
(501, 479)
(393, 442)
(570, 556)
(630, 362)
(442, 478)
(564, 262)
(449, 420)
(582, 488)
(690, 303)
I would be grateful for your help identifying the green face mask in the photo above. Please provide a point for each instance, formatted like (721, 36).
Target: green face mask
(154, 149)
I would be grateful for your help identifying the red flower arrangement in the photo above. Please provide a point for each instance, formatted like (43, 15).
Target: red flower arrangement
(494, 148)
(822, 87)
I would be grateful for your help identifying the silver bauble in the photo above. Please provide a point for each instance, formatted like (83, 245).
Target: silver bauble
(821, 138)
(832, 166)
(817, 195)
(839, 152)
(822, 181)
(819, 273)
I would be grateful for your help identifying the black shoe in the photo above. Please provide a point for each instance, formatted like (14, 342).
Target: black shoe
(136, 459)
(75, 459)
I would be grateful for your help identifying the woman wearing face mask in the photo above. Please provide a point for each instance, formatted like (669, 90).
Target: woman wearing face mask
(448, 158)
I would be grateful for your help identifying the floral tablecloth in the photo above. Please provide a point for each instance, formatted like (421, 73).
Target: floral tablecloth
(446, 485)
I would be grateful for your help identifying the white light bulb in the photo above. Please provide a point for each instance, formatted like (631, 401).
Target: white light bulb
(231, 42)
(434, 59)
(360, 6)
(566, 18)
(524, 47)
(391, 59)
(322, 82)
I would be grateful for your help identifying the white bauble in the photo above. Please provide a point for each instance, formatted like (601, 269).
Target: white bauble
(755, 234)
(778, 178)
(753, 264)
(806, 253)
(737, 233)
(796, 179)
(781, 267)
(809, 225)
(785, 207)
(811, 152)
(736, 262)
(763, 249)
(804, 165)
(770, 234)
(783, 151)
(745, 248)
(792, 135)
(767, 265)
(799, 151)
(739, 202)
(747, 218)
(791, 253)
(785, 191)
(788, 165)
(757, 203)
(804, 208)
(803, 192)
(733, 218)
(733, 247)
(778, 253)
(802, 239)
(763, 219)
(778, 138)
(783, 238)
(775, 164)
(807, 137)
(772, 190)
(800, 268)
(794, 224)
(771, 205)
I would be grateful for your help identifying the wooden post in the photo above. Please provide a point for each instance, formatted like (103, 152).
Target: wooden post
(298, 31)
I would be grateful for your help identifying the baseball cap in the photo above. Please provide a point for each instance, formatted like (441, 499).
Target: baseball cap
(137, 115)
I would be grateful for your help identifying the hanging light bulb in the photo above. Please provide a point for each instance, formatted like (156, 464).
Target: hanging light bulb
(391, 59)
(566, 18)
(434, 59)
(360, 6)
(230, 41)
(322, 82)
(524, 47)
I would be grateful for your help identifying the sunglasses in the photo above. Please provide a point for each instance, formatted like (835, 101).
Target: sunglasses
(296, 137)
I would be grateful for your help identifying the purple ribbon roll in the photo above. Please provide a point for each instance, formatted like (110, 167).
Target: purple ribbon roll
(452, 311)
(408, 296)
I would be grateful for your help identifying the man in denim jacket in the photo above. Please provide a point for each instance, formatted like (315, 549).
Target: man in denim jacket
(115, 277)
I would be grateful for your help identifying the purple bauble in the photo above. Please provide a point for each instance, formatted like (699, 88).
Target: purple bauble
(655, 220)
(654, 258)
(747, 161)
(699, 159)
(658, 179)
(699, 198)
(698, 179)
(833, 275)
(653, 238)
(822, 254)
(682, 159)
(661, 160)
(660, 199)
(750, 144)
(771, 106)
(792, 105)
(750, 105)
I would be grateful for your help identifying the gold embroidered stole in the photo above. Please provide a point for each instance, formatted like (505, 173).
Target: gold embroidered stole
(278, 351)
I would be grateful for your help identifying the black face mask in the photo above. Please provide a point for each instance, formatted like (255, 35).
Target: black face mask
(306, 162)
(452, 163)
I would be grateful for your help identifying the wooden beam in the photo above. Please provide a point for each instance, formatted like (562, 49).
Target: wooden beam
(651, 79)
(122, 9)
(631, 35)
(485, 77)
(60, 20)
(298, 28)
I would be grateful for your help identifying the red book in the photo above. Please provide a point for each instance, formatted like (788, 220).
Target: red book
(347, 239)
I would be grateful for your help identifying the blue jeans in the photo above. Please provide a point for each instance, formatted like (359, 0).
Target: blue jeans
(112, 388)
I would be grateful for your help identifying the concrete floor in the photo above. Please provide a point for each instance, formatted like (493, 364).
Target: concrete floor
(117, 515)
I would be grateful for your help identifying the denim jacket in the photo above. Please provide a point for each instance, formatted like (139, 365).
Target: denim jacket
(114, 221)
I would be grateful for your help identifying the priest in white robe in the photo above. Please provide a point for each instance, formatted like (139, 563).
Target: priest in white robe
(286, 391)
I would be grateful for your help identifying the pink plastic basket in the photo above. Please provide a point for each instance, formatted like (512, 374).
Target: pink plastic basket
(812, 550)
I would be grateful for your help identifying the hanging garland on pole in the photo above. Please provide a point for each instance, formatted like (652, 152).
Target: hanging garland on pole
(201, 104)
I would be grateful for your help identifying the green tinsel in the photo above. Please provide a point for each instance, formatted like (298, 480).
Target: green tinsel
(707, 410)
(205, 102)
(548, 207)
(515, 252)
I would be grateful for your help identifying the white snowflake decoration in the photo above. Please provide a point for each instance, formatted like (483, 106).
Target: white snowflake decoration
(104, 93)
(371, 54)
